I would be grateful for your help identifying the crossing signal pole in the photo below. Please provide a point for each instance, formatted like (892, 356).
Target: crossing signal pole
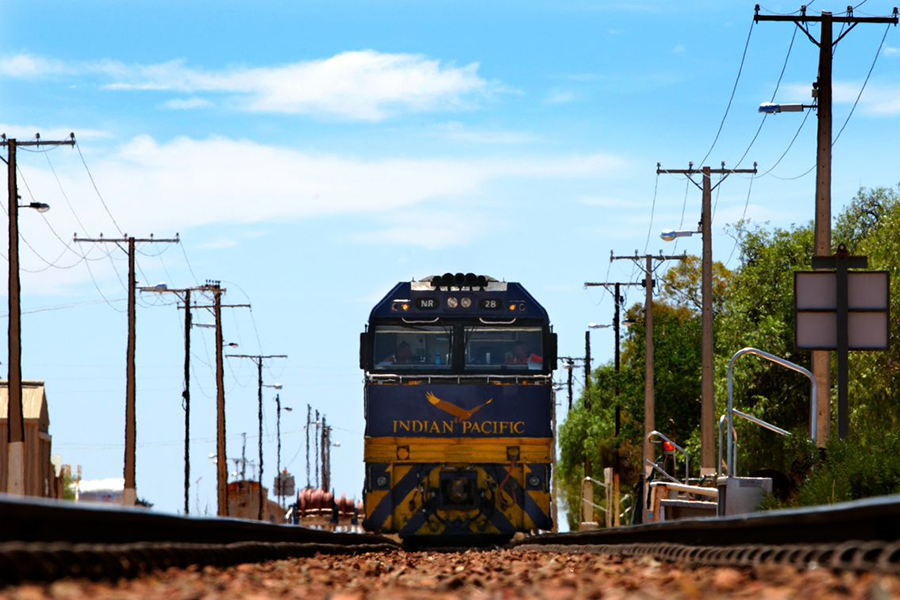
(823, 92)
(649, 402)
(129, 495)
(15, 431)
(707, 385)
(258, 359)
(215, 287)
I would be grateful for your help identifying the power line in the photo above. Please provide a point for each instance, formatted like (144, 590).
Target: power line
(733, 91)
(96, 189)
(862, 89)
(652, 211)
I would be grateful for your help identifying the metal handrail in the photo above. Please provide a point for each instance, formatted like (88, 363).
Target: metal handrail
(762, 423)
(589, 480)
(688, 489)
(687, 459)
(734, 434)
(731, 451)
(658, 469)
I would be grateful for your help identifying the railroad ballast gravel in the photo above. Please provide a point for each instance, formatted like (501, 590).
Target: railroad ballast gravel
(481, 575)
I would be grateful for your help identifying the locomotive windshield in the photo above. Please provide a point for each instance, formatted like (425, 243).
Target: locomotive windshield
(510, 348)
(411, 348)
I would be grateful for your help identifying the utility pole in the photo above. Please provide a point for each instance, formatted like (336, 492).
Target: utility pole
(587, 369)
(258, 359)
(316, 439)
(278, 478)
(326, 450)
(569, 365)
(185, 295)
(308, 423)
(217, 290)
(129, 495)
(649, 402)
(618, 299)
(15, 431)
(821, 364)
(707, 383)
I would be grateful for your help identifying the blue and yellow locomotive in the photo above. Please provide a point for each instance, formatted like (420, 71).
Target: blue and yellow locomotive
(459, 410)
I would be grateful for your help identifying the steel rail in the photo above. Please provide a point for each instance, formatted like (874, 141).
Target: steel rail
(44, 540)
(879, 557)
(863, 535)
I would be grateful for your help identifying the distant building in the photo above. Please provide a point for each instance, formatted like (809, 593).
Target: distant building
(40, 475)
(108, 491)
(243, 502)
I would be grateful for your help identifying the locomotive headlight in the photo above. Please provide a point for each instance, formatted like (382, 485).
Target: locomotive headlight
(381, 481)
(452, 302)
(534, 481)
(465, 302)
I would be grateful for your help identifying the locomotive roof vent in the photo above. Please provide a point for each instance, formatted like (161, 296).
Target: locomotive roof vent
(459, 280)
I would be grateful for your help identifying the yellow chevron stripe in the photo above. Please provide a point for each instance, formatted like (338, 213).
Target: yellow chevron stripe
(451, 450)
(372, 500)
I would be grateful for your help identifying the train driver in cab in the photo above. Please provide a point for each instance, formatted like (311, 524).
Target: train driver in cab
(522, 356)
(403, 356)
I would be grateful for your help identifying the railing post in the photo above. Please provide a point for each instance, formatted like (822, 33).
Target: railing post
(731, 454)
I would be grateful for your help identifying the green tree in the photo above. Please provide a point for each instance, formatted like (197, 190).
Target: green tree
(677, 393)
(869, 226)
(759, 314)
(753, 306)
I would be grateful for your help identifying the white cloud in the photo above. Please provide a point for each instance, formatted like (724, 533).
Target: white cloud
(891, 51)
(187, 103)
(678, 49)
(458, 132)
(26, 66)
(168, 187)
(559, 97)
(362, 85)
(428, 229)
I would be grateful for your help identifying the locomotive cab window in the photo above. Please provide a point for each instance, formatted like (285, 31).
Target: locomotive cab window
(412, 348)
(504, 348)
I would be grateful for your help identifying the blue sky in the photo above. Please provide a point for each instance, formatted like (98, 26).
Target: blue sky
(313, 154)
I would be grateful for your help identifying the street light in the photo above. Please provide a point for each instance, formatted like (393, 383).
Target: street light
(771, 108)
(211, 326)
(596, 326)
(16, 411)
(822, 93)
(278, 480)
(669, 235)
(41, 207)
(707, 389)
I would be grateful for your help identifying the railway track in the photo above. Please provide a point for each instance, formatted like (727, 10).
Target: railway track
(47, 541)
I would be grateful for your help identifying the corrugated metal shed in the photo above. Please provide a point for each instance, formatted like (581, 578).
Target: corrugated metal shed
(40, 476)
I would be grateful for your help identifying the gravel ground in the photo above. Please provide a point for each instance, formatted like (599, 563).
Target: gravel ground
(495, 574)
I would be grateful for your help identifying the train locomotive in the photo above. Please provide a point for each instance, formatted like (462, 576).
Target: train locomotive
(459, 409)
